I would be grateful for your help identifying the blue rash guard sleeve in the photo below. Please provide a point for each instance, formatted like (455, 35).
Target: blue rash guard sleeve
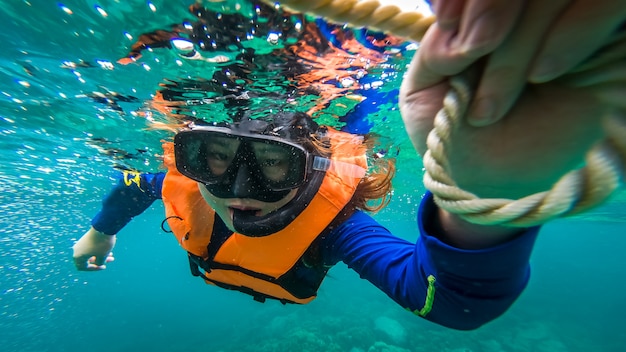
(131, 196)
(470, 287)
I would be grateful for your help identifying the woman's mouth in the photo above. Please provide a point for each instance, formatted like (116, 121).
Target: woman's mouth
(243, 210)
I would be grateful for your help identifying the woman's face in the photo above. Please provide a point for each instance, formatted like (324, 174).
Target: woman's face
(224, 207)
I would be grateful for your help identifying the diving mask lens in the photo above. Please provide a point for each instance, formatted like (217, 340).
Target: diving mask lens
(214, 155)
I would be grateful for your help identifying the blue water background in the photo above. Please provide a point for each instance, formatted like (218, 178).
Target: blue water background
(53, 176)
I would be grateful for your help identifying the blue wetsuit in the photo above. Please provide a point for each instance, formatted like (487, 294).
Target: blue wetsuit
(472, 287)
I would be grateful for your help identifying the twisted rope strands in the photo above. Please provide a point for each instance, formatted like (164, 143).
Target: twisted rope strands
(371, 13)
(575, 192)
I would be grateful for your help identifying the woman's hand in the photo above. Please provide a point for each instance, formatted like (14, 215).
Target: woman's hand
(93, 250)
(544, 135)
(536, 41)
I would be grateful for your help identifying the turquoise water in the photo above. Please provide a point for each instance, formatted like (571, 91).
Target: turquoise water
(59, 148)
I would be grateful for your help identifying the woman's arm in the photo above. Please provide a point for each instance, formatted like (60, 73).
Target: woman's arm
(461, 274)
(458, 288)
(131, 196)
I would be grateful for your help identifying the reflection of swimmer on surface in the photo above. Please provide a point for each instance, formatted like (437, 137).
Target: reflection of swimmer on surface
(212, 31)
(311, 57)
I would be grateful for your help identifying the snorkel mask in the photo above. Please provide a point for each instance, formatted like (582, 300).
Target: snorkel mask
(255, 159)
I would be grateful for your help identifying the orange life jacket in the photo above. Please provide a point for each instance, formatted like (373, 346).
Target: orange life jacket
(261, 266)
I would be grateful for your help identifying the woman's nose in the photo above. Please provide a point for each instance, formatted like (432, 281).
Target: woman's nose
(244, 185)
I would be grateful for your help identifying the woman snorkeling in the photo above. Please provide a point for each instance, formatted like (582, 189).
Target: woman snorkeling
(267, 205)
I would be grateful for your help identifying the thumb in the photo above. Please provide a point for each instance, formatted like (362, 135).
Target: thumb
(100, 259)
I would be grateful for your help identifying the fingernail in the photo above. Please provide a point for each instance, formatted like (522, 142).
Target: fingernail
(543, 71)
(482, 112)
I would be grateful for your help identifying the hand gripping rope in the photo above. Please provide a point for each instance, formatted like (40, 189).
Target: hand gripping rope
(575, 192)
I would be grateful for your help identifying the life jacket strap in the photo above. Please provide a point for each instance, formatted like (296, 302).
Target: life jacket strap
(195, 266)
